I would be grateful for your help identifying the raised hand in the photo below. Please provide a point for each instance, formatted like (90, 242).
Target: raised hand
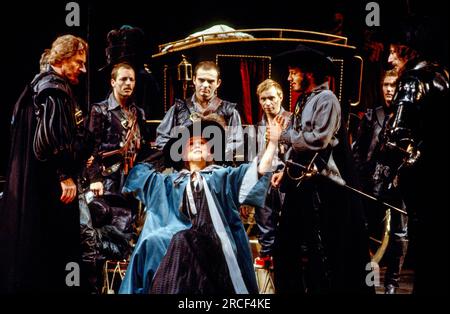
(280, 120)
(273, 131)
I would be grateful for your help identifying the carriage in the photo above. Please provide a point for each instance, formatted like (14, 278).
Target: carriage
(245, 57)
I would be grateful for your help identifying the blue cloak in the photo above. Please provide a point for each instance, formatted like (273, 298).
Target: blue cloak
(162, 196)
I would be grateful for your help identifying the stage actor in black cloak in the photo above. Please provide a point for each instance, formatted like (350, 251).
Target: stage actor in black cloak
(414, 145)
(39, 217)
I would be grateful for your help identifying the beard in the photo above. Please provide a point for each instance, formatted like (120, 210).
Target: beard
(73, 80)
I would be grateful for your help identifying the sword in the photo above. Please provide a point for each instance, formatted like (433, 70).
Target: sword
(341, 182)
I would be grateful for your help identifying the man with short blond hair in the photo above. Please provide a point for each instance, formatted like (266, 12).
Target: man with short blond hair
(270, 96)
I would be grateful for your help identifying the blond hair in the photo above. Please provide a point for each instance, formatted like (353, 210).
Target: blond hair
(64, 47)
(391, 72)
(267, 84)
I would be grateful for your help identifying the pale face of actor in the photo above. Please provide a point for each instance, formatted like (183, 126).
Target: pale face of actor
(206, 83)
(389, 85)
(197, 149)
(123, 85)
(270, 101)
(72, 67)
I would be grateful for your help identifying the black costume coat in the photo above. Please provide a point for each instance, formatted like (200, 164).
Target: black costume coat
(40, 234)
(421, 121)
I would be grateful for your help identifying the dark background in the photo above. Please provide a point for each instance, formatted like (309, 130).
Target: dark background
(29, 28)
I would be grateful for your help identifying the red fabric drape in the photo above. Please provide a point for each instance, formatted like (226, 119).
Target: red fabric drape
(294, 97)
(332, 83)
(253, 72)
(246, 92)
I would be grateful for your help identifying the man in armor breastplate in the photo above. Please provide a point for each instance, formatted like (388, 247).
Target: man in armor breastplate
(414, 140)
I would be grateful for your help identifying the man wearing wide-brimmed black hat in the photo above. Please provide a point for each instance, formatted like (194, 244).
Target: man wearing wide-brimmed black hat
(193, 240)
(413, 144)
(321, 245)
